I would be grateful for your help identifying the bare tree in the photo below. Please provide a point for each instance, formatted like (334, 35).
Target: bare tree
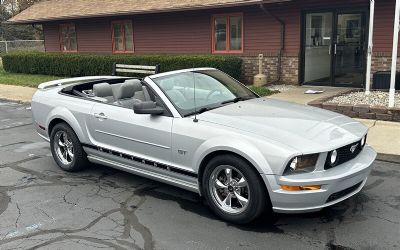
(10, 8)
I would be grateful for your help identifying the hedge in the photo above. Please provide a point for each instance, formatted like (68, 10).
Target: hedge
(69, 65)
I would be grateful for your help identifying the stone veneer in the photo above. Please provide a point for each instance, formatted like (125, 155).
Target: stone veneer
(289, 68)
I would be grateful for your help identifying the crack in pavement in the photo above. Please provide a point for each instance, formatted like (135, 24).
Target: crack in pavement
(18, 126)
(131, 221)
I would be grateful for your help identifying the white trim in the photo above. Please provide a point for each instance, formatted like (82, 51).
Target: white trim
(394, 54)
(370, 46)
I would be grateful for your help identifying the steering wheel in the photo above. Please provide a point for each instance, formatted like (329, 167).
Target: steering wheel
(212, 92)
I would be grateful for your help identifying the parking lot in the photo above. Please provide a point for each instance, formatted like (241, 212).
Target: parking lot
(46, 208)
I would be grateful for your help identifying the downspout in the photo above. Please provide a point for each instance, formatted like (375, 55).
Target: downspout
(282, 43)
(370, 47)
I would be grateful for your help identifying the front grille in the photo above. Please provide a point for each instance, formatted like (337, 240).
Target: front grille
(343, 193)
(345, 154)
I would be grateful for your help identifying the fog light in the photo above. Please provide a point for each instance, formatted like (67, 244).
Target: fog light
(333, 157)
(300, 188)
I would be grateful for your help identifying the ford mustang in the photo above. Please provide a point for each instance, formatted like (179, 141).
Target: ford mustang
(201, 130)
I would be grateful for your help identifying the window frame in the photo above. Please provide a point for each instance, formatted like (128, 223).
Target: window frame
(61, 38)
(227, 16)
(123, 22)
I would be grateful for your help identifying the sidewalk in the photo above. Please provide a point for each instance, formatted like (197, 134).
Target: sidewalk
(16, 93)
(383, 136)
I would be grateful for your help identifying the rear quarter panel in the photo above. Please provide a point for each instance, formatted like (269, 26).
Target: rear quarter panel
(49, 104)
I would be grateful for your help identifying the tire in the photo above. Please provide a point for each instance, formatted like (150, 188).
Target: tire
(239, 212)
(71, 157)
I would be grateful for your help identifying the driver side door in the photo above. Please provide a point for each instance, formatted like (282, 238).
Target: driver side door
(144, 136)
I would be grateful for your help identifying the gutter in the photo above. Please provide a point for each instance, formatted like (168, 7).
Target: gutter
(282, 43)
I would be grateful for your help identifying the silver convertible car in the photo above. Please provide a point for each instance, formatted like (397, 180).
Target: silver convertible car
(201, 130)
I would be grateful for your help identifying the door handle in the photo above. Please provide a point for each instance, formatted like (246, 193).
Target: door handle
(100, 116)
(330, 48)
(335, 48)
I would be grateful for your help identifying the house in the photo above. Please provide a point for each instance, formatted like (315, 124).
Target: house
(303, 41)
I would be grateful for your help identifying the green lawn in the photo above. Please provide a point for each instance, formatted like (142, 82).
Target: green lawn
(263, 91)
(24, 79)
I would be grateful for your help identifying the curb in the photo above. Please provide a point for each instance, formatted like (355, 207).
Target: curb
(13, 100)
(388, 158)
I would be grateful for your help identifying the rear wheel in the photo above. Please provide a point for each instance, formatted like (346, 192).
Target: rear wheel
(66, 148)
(233, 189)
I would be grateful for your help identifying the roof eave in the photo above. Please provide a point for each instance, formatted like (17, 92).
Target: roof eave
(141, 12)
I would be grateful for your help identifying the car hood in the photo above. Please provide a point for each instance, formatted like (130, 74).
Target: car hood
(304, 128)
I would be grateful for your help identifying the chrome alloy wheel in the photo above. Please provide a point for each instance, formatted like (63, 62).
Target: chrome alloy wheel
(64, 147)
(229, 189)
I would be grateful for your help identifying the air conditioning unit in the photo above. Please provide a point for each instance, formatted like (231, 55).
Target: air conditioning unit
(381, 80)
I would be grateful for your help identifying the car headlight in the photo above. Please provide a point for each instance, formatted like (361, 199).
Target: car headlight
(363, 141)
(301, 164)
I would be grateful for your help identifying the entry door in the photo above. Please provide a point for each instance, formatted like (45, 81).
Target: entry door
(349, 49)
(318, 48)
(140, 135)
(334, 48)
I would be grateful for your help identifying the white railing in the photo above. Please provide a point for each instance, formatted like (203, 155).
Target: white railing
(21, 45)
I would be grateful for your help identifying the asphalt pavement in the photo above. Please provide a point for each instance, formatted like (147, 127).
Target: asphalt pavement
(42, 207)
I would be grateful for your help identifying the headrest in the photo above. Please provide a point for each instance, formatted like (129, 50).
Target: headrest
(128, 89)
(136, 83)
(102, 89)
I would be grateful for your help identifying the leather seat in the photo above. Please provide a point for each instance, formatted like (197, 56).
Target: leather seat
(175, 95)
(141, 92)
(103, 90)
(125, 94)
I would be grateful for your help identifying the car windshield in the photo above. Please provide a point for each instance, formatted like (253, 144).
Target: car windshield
(198, 91)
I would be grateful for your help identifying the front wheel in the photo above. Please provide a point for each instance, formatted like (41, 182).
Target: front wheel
(66, 148)
(234, 190)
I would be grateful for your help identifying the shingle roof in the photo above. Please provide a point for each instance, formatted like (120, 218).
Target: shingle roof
(48, 10)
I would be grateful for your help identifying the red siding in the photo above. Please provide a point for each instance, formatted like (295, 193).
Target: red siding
(94, 36)
(51, 37)
(383, 26)
(190, 32)
(173, 33)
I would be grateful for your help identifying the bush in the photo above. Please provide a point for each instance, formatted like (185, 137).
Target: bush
(263, 91)
(69, 65)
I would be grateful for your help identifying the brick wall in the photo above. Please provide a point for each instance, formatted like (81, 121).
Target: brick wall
(383, 62)
(289, 68)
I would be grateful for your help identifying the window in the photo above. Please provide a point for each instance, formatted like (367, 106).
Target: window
(122, 35)
(68, 38)
(227, 33)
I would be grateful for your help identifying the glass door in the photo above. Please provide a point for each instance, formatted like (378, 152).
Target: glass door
(349, 49)
(318, 47)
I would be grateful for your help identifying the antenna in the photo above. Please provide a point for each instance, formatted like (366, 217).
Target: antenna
(194, 97)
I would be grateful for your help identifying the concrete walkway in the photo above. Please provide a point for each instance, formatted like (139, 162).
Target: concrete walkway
(16, 93)
(296, 94)
(383, 136)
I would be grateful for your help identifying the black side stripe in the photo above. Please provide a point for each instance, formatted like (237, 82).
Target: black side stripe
(143, 161)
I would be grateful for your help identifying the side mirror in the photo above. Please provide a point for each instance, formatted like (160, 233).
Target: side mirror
(147, 108)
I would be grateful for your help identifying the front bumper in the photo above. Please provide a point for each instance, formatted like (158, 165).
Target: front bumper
(337, 184)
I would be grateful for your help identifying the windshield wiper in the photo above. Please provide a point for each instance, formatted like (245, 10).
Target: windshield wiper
(201, 110)
(235, 100)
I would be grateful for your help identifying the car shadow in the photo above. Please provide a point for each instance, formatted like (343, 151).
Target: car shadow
(269, 222)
